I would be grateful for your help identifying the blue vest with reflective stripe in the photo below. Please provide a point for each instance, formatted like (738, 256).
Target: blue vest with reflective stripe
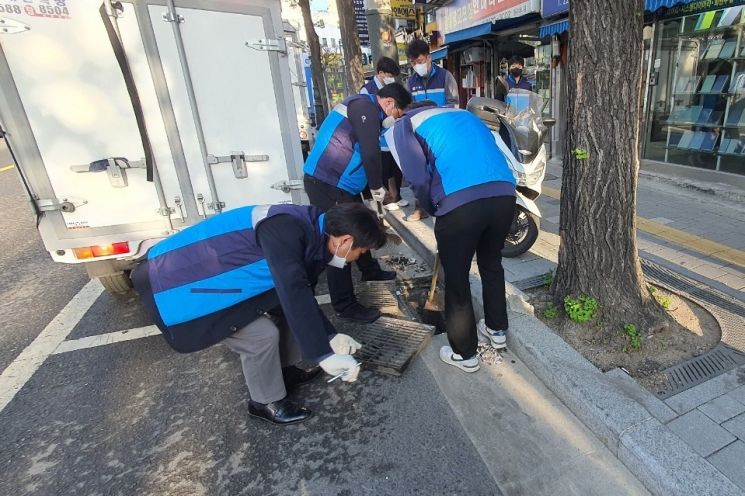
(217, 263)
(335, 158)
(433, 90)
(370, 88)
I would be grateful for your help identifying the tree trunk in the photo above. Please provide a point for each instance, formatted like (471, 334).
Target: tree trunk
(350, 45)
(319, 82)
(598, 255)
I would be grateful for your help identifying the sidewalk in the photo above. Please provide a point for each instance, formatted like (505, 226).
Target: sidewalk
(701, 237)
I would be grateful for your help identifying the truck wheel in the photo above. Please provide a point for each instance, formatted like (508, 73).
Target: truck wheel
(117, 284)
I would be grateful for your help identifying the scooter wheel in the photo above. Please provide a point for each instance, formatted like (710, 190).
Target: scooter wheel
(523, 233)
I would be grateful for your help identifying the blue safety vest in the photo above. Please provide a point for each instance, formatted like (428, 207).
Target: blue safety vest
(433, 89)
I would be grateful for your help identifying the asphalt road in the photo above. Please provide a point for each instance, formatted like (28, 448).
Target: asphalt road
(134, 417)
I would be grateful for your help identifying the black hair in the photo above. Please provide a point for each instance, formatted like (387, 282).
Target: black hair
(387, 64)
(420, 104)
(417, 48)
(398, 92)
(516, 59)
(358, 221)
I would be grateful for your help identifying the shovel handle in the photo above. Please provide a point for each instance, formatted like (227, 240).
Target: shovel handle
(435, 272)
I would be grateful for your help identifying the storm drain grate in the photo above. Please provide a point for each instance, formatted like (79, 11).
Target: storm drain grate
(700, 369)
(531, 282)
(388, 344)
(698, 290)
(380, 295)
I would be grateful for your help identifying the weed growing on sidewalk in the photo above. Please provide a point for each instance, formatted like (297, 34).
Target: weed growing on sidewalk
(581, 309)
(551, 312)
(548, 278)
(633, 334)
(663, 300)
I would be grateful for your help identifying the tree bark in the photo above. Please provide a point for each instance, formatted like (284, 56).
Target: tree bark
(598, 255)
(319, 82)
(350, 45)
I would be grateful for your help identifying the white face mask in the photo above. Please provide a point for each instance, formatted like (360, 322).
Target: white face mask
(389, 121)
(389, 80)
(421, 69)
(338, 261)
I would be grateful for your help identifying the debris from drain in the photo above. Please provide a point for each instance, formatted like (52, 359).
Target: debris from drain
(489, 356)
(401, 263)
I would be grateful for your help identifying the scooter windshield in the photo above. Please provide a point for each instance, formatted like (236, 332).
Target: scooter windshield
(523, 115)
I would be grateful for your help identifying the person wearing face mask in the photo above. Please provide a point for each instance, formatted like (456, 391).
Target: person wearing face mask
(387, 71)
(246, 278)
(459, 175)
(514, 78)
(345, 159)
(432, 83)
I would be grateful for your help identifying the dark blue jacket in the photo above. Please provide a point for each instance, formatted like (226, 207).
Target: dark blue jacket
(371, 87)
(449, 157)
(523, 84)
(211, 279)
(337, 157)
(440, 87)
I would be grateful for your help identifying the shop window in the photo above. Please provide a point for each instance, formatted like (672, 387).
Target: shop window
(696, 114)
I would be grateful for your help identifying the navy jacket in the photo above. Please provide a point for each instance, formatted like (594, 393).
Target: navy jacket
(211, 279)
(449, 157)
(440, 87)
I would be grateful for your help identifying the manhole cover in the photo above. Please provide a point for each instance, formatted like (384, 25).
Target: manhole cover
(380, 295)
(388, 344)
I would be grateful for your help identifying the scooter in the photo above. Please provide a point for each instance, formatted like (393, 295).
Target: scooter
(519, 130)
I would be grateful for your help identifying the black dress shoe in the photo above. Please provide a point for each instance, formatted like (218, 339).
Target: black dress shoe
(280, 412)
(359, 313)
(382, 275)
(294, 376)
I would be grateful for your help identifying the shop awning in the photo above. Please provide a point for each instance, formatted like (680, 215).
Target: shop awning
(489, 28)
(440, 53)
(653, 5)
(554, 28)
(559, 27)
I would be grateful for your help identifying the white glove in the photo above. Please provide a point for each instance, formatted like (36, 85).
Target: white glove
(341, 364)
(344, 345)
(378, 194)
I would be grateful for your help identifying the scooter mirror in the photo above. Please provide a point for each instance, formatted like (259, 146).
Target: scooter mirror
(548, 121)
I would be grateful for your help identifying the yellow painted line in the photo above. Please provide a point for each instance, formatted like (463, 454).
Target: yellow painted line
(6, 168)
(681, 238)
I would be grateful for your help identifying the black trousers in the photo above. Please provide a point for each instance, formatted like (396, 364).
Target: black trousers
(480, 228)
(341, 287)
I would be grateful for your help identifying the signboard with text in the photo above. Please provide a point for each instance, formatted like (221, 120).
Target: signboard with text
(403, 9)
(462, 14)
(553, 7)
(361, 20)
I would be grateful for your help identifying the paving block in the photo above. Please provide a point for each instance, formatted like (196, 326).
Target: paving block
(701, 433)
(738, 394)
(713, 388)
(722, 409)
(736, 426)
(669, 467)
(731, 462)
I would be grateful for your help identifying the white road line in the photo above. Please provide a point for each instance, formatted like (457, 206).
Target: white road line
(22, 368)
(104, 339)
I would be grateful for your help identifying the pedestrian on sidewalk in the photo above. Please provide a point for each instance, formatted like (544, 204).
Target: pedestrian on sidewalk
(459, 175)
(246, 277)
(344, 161)
(387, 70)
(429, 82)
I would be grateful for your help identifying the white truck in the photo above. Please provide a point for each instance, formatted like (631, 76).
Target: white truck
(298, 59)
(133, 119)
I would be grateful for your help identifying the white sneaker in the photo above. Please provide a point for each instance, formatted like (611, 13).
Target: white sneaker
(403, 203)
(391, 206)
(448, 356)
(498, 339)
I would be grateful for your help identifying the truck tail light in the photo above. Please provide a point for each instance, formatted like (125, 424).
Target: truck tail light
(86, 252)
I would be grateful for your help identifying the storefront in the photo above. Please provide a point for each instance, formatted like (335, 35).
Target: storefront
(479, 37)
(696, 100)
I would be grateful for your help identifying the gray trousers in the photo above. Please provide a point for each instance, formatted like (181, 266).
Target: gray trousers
(264, 349)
